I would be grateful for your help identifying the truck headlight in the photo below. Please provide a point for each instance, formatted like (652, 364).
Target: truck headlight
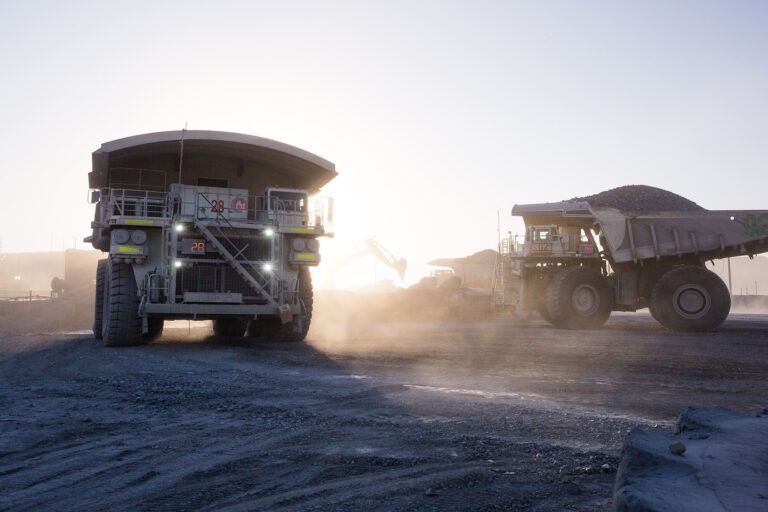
(313, 245)
(138, 236)
(121, 236)
(298, 244)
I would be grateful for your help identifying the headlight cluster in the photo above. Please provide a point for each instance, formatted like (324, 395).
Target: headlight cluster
(122, 236)
(138, 236)
(302, 244)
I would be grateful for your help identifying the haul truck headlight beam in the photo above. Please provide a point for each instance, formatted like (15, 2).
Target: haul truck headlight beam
(232, 241)
(578, 263)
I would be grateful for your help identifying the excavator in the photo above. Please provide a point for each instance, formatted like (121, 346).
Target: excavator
(369, 247)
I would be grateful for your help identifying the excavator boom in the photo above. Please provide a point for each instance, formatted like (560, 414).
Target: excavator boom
(369, 247)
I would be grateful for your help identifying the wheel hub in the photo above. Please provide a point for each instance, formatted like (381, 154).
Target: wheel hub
(691, 301)
(585, 300)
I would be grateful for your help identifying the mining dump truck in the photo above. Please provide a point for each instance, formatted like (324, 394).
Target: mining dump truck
(206, 225)
(577, 263)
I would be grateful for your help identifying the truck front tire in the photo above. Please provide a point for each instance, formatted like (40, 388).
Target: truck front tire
(579, 298)
(122, 324)
(98, 303)
(271, 329)
(690, 298)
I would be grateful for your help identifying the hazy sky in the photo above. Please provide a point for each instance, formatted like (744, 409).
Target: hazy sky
(436, 113)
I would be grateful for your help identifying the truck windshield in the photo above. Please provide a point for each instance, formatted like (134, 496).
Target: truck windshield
(285, 200)
(542, 234)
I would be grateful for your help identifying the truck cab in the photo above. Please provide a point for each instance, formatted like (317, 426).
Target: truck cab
(558, 241)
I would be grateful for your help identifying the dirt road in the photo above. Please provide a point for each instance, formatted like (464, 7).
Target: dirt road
(394, 416)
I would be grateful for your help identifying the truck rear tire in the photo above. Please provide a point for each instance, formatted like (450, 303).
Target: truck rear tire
(230, 327)
(579, 298)
(122, 324)
(690, 298)
(272, 329)
(98, 303)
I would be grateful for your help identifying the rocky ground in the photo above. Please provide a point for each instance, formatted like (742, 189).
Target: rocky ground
(494, 415)
(715, 461)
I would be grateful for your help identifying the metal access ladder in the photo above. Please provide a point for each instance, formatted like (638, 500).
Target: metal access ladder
(213, 233)
(232, 259)
(503, 280)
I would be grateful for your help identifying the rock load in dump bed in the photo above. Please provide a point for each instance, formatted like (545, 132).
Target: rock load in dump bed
(640, 198)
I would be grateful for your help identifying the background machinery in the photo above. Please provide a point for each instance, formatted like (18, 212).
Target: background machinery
(369, 247)
(578, 263)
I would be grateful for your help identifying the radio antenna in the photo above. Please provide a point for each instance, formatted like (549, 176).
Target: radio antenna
(498, 229)
(181, 153)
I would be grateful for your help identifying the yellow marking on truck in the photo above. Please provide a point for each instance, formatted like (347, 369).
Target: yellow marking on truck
(139, 222)
(302, 230)
(129, 249)
(302, 256)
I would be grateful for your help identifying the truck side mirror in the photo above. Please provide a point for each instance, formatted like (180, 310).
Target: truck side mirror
(95, 196)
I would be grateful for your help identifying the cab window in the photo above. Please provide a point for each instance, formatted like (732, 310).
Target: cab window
(542, 234)
(287, 200)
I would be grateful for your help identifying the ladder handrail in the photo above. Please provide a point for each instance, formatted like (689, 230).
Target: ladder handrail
(232, 259)
(239, 268)
(220, 215)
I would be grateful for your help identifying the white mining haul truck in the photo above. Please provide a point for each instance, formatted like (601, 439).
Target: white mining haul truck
(578, 263)
(206, 225)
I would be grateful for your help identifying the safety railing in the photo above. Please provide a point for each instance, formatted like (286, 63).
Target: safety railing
(156, 286)
(19, 295)
(509, 246)
(189, 203)
(137, 203)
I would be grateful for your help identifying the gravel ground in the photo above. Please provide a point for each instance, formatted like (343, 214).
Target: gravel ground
(395, 416)
(640, 198)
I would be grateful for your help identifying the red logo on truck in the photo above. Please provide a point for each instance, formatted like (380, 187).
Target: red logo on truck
(239, 204)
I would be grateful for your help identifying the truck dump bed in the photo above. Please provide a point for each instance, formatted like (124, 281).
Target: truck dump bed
(633, 237)
(245, 161)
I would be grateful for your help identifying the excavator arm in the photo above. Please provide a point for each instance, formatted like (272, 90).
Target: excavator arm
(369, 247)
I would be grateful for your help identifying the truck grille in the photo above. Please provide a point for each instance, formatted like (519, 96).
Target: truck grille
(212, 278)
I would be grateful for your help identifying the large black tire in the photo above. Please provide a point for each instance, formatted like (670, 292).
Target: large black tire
(154, 328)
(579, 298)
(98, 303)
(265, 328)
(543, 311)
(690, 298)
(122, 324)
(230, 327)
(262, 327)
(272, 329)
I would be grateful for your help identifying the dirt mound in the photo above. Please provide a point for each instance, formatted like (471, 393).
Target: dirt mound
(639, 198)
